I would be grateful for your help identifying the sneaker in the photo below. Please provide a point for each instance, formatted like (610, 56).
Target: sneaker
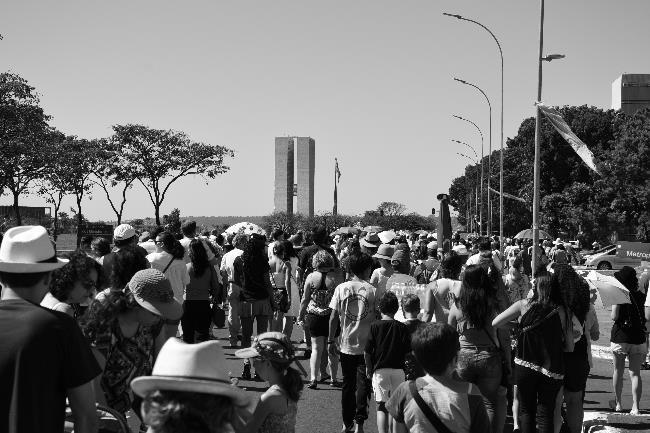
(335, 383)
(347, 429)
(313, 385)
(359, 428)
(325, 377)
(246, 372)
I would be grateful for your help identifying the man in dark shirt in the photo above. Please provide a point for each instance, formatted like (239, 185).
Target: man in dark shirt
(319, 235)
(124, 236)
(44, 357)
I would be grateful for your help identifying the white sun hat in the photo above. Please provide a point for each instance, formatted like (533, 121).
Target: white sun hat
(28, 249)
(198, 367)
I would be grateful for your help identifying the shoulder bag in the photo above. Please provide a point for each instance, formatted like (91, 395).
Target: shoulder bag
(426, 410)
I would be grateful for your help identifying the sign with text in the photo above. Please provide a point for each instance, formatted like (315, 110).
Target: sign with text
(637, 250)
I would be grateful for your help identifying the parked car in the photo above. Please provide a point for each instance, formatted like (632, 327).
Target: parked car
(606, 258)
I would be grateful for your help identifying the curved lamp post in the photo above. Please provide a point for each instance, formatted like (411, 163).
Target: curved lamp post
(489, 170)
(482, 146)
(462, 18)
(476, 200)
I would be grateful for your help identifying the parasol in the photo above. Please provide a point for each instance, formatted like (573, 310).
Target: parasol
(371, 229)
(528, 234)
(610, 290)
(346, 231)
(246, 228)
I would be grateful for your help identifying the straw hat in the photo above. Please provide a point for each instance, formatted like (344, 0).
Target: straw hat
(123, 232)
(385, 251)
(371, 240)
(198, 367)
(274, 346)
(153, 292)
(28, 249)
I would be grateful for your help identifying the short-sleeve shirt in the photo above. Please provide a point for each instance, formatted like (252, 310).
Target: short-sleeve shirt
(461, 412)
(43, 355)
(356, 304)
(388, 343)
(176, 272)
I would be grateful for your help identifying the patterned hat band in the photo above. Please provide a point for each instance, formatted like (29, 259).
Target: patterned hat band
(274, 350)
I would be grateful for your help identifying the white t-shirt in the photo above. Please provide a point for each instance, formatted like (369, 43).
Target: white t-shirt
(228, 262)
(356, 304)
(176, 273)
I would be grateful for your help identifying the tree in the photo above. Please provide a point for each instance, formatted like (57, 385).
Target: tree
(158, 158)
(25, 138)
(287, 222)
(172, 222)
(390, 208)
(78, 162)
(113, 170)
(54, 185)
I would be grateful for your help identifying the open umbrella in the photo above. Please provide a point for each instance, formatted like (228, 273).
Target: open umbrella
(422, 232)
(528, 234)
(246, 228)
(610, 290)
(346, 231)
(371, 229)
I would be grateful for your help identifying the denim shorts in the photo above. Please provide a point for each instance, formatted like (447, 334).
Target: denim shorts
(629, 349)
(476, 364)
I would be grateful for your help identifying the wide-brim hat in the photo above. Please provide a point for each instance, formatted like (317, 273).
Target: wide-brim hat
(153, 292)
(28, 249)
(385, 251)
(198, 367)
(274, 346)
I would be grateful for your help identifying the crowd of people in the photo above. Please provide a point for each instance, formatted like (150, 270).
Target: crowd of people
(128, 327)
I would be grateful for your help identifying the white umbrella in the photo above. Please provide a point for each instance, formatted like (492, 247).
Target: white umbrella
(246, 228)
(610, 290)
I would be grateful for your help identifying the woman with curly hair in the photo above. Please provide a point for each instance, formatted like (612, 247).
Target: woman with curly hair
(542, 338)
(574, 297)
(125, 332)
(479, 359)
(441, 292)
(252, 274)
(73, 284)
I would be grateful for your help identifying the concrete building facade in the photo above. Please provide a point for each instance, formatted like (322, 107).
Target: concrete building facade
(304, 149)
(283, 195)
(305, 160)
(631, 92)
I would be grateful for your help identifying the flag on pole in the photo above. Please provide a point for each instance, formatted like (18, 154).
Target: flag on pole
(563, 129)
(337, 170)
(506, 195)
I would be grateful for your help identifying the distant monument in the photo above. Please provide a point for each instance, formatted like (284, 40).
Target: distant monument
(631, 92)
(285, 189)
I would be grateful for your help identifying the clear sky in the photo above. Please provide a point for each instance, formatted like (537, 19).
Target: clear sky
(370, 81)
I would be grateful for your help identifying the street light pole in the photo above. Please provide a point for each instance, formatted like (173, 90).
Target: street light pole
(475, 162)
(460, 17)
(536, 167)
(480, 213)
(489, 170)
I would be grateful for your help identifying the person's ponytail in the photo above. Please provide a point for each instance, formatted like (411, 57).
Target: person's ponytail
(292, 383)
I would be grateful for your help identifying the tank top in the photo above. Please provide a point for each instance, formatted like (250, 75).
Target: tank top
(281, 423)
(320, 298)
(539, 347)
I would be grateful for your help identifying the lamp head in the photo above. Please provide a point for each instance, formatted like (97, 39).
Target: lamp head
(460, 81)
(453, 15)
(551, 57)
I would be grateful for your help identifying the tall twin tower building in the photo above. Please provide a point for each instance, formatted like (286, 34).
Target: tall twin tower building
(294, 179)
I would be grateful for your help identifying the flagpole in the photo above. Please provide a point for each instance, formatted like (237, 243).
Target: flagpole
(536, 167)
(335, 208)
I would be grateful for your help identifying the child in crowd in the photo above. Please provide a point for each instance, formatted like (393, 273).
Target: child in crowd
(385, 353)
(272, 355)
(439, 397)
(411, 309)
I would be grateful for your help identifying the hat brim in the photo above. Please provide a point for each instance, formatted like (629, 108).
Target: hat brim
(365, 243)
(25, 268)
(381, 256)
(246, 353)
(169, 310)
(144, 384)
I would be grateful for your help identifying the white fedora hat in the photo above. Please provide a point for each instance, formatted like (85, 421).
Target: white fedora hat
(27, 249)
(198, 367)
